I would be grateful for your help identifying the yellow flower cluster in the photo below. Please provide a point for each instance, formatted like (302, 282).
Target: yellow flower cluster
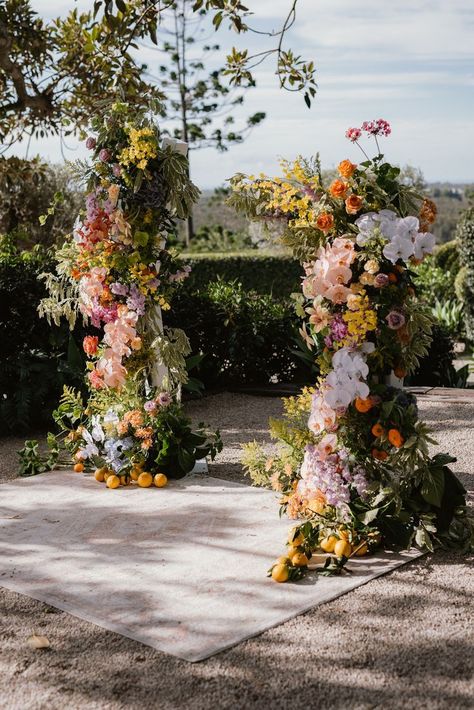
(142, 274)
(300, 404)
(360, 318)
(141, 149)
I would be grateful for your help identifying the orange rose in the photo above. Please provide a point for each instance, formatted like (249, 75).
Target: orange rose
(353, 204)
(363, 405)
(378, 430)
(90, 344)
(346, 168)
(395, 438)
(338, 188)
(325, 222)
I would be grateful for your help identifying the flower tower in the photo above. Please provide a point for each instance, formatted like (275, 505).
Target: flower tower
(118, 274)
(353, 467)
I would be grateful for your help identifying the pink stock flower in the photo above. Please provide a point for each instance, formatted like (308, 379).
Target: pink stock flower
(353, 134)
(96, 380)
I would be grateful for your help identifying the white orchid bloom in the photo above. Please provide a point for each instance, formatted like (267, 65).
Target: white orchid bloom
(97, 432)
(408, 227)
(424, 244)
(398, 248)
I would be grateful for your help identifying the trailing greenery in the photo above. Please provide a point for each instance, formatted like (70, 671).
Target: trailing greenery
(264, 273)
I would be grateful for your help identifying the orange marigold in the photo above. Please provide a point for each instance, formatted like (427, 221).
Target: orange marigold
(378, 430)
(395, 438)
(363, 405)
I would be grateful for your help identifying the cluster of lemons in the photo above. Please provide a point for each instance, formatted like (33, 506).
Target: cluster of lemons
(297, 559)
(137, 475)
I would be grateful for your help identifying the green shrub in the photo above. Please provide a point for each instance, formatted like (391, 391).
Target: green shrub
(37, 360)
(446, 257)
(437, 369)
(275, 274)
(216, 238)
(465, 238)
(433, 282)
(246, 337)
(460, 287)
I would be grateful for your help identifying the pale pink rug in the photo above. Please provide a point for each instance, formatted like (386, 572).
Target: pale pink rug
(181, 569)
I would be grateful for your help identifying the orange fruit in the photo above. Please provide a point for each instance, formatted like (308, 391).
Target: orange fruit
(299, 560)
(280, 573)
(99, 475)
(295, 539)
(292, 550)
(343, 534)
(378, 430)
(327, 544)
(113, 481)
(283, 560)
(160, 480)
(361, 549)
(79, 467)
(342, 548)
(363, 405)
(134, 473)
(145, 479)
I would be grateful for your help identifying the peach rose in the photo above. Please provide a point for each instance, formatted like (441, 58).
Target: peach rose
(325, 222)
(338, 189)
(353, 204)
(346, 168)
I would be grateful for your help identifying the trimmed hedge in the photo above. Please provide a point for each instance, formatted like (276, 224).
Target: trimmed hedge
(276, 274)
(465, 238)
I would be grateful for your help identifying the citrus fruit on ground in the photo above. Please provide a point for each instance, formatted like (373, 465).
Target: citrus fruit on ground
(283, 560)
(79, 467)
(113, 481)
(134, 473)
(298, 538)
(145, 479)
(160, 480)
(343, 533)
(361, 549)
(299, 560)
(292, 550)
(280, 573)
(99, 475)
(327, 544)
(343, 548)
(123, 480)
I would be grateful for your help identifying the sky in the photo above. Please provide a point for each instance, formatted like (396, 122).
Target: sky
(410, 62)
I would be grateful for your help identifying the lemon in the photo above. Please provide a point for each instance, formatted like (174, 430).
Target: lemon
(283, 560)
(134, 473)
(362, 550)
(160, 480)
(280, 573)
(299, 560)
(343, 534)
(145, 479)
(343, 548)
(113, 481)
(327, 544)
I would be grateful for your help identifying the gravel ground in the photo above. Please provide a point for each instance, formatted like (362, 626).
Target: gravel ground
(400, 641)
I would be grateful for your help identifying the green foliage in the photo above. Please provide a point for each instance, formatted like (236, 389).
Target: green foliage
(275, 274)
(27, 188)
(36, 361)
(450, 314)
(436, 369)
(465, 238)
(243, 335)
(33, 462)
(446, 257)
(216, 238)
(433, 282)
